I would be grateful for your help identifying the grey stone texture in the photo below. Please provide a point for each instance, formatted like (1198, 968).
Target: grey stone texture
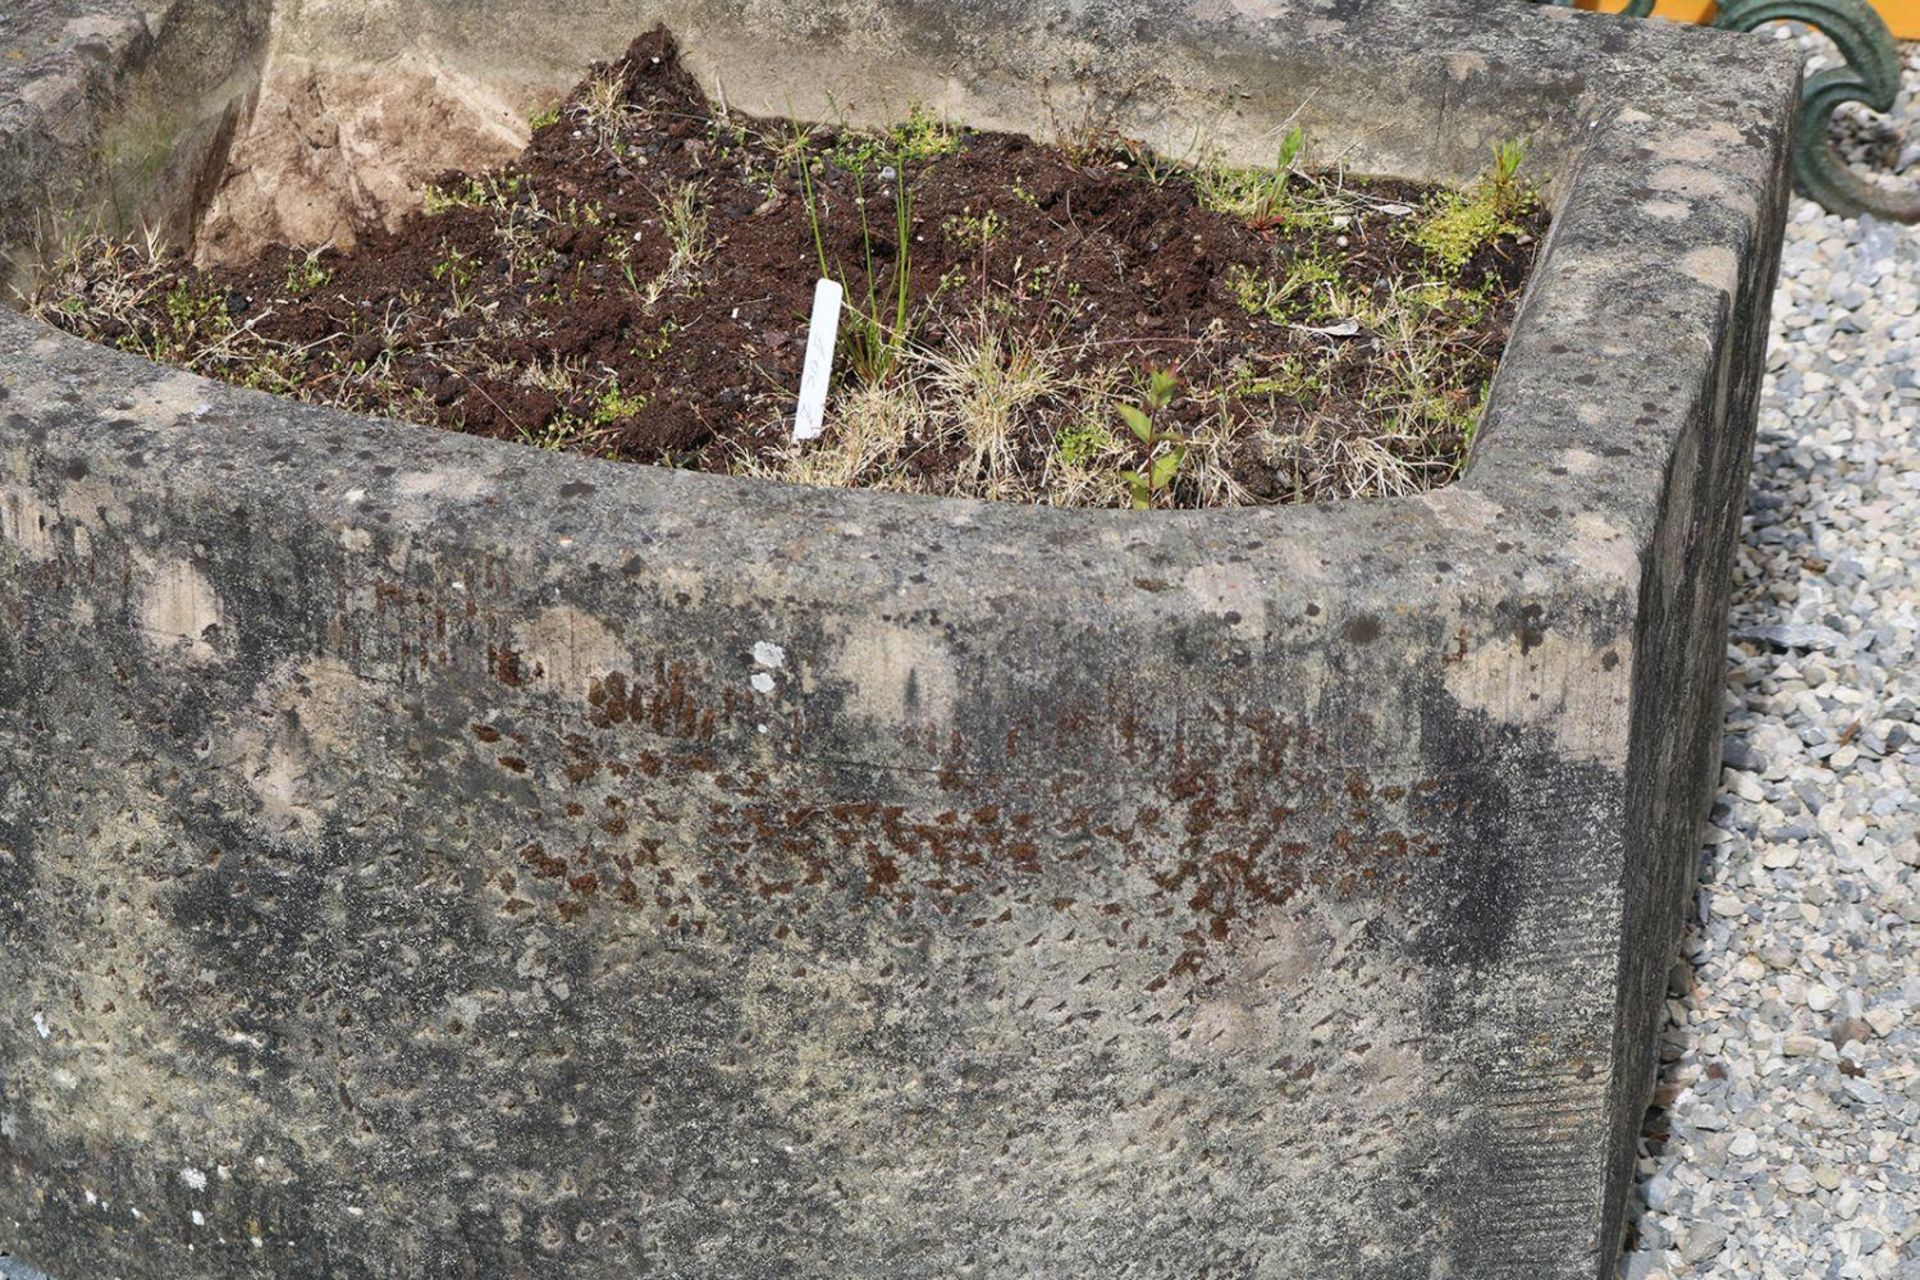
(424, 856)
(118, 113)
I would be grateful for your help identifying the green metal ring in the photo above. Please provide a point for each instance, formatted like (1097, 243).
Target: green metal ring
(1870, 77)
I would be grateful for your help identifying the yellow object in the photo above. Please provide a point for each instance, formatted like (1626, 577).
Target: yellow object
(1901, 16)
(1685, 10)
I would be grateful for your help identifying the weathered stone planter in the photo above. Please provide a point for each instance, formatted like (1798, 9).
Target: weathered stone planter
(425, 857)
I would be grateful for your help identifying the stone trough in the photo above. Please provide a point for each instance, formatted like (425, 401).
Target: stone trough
(422, 856)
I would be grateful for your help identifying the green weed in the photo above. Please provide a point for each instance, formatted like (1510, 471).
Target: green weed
(685, 219)
(920, 138)
(973, 231)
(1082, 443)
(874, 338)
(614, 405)
(1298, 296)
(457, 271)
(1154, 481)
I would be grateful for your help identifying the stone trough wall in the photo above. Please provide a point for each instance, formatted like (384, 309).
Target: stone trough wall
(425, 856)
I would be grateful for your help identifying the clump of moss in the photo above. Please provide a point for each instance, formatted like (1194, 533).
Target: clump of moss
(1299, 295)
(920, 139)
(1459, 224)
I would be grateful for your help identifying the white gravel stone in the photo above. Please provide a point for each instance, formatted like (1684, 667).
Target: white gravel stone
(1791, 1146)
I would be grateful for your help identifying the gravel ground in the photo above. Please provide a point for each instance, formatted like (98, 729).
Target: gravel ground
(1786, 1136)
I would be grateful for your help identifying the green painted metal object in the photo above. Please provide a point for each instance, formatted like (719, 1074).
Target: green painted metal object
(1869, 76)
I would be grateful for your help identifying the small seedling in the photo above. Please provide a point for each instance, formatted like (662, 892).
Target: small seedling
(1156, 479)
(457, 271)
(194, 317)
(305, 274)
(920, 138)
(613, 405)
(685, 218)
(923, 137)
(973, 231)
(1259, 197)
(1507, 158)
(1081, 444)
(1303, 293)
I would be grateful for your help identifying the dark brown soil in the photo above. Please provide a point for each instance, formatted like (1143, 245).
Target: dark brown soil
(519, 305)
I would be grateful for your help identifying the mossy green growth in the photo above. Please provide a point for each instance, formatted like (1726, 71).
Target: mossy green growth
(1299, 295)
(1083, 443)
(1458, 224)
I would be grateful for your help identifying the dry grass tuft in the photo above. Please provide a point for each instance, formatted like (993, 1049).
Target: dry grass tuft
(1026, 426)
(990, 390)
(684, 217)
(602, 111)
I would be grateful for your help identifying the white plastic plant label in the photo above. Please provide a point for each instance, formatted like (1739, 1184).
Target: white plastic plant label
(823, 331)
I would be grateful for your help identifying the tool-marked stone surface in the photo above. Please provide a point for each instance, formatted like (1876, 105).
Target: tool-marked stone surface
(423, 856)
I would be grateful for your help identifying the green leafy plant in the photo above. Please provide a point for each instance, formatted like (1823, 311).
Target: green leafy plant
(973, 231)
(1082, 443)
(923, 137)
(458, 272)
(1153, 482)
(195, 318)
(1504, 176)
(564, 431)
(613, 405)
(1300, 295)
(920, 138)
